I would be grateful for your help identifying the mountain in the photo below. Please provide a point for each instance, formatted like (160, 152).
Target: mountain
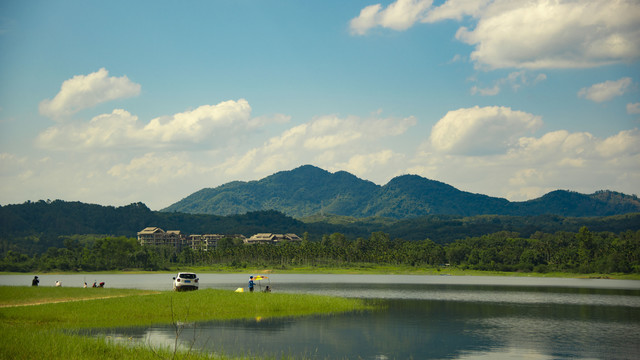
(309, 190)
(303, 191)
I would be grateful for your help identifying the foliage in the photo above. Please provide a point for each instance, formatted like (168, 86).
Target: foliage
(583, 251)
(309, 190)
(35, 227)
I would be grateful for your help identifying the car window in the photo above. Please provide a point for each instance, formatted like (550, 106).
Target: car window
(188, 276)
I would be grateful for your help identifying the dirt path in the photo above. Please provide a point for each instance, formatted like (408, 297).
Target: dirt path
(55, 301)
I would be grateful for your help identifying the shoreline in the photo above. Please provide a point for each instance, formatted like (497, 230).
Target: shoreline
(382, 270)
(51, 326)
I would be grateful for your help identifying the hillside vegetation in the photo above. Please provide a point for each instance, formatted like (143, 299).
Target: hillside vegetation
(34, 227)
(309, 190)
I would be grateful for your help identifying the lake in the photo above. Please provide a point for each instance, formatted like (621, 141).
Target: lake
(425, 317)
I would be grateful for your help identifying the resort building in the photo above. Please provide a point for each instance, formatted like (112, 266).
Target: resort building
(269, 238)
(157, 236)
(204, 242)
(175, 238)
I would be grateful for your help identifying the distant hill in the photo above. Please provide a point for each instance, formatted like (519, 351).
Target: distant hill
(309, 190)
(34, 227)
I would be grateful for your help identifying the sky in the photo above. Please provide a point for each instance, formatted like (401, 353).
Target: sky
(119, 102)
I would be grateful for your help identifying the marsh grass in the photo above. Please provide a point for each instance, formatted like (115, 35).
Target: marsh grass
(43, 331)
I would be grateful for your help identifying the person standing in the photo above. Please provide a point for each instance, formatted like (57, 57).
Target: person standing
(35, 281)
(251, 283)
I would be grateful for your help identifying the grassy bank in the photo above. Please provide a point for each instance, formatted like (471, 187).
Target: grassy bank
(35, 332)
(374, 269)
(369, 269)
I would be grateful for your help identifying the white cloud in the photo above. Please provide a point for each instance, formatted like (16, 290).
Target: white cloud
(495, 90)
(324, 141)
(538, 34)
(621, 144)
(605, 91)
(399, 15)
(456, 9)
(120, 129)
(154, 168)
(554, 34)
(198, 124)
(85, 91)
(515, 80)
(633, 108)
(361, 164)
(534, 166)
(477, 131)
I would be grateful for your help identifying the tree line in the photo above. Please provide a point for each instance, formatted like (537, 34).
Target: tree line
(33, 227)
(583, 251)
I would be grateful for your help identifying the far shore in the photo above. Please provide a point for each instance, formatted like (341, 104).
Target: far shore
(353, 270)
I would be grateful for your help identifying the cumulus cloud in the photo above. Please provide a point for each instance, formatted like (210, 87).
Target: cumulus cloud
(625, 142)
(478, 131)
(605, 91)
(198, 124)
(361, 164)
(399, 15)
(533, 166)
(153, 168)
(537, 34)
(560, 34)
(323, 141)
(121, 129)
(85, 91)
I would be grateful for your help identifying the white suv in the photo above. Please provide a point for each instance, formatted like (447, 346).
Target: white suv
(185, 281)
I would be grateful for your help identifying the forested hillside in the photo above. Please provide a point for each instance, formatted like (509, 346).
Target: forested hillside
(583, 251)
(33, 227)
(309, 190)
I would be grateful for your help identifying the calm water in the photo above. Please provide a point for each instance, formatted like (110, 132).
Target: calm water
(427, 317)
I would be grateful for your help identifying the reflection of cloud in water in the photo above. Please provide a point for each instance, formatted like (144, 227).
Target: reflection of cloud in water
(478, 293)
(558, 337)
(504, 354)
(426, 329)
(430, 317)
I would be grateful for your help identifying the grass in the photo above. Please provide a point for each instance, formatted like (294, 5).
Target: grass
(375, 269)
(36, 332)
(366, 268)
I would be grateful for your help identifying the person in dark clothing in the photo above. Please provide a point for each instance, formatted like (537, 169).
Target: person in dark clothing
(35, 281)
(251, 283)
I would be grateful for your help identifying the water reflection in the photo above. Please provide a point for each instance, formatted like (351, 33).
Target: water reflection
(423, 329)
(427, 317)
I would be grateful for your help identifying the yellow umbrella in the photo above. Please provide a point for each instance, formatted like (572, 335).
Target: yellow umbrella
(261, 277)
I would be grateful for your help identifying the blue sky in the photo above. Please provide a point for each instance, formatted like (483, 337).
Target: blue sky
(120, 102)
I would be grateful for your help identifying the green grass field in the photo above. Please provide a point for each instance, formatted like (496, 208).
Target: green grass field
(36, 321)
(364, 268)
(373, 269)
